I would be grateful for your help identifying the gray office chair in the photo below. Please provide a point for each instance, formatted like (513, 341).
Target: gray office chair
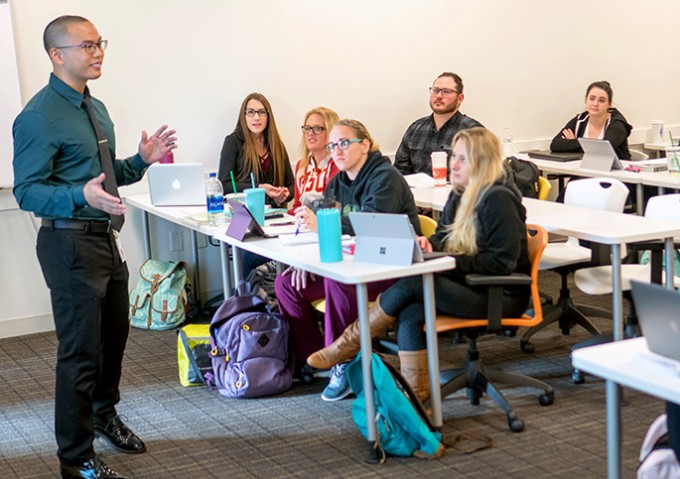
(636, 155)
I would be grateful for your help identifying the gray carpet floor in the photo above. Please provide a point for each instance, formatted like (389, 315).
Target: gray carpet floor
(195, 433)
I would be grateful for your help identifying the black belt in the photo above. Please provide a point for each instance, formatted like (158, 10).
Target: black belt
(79, 225)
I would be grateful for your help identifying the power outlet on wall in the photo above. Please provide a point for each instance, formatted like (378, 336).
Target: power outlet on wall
(176, 241)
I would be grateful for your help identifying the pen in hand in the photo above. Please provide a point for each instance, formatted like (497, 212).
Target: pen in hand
(299, 214)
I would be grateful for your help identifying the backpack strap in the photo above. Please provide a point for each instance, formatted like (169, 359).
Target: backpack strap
(192, 359)
(409, 392)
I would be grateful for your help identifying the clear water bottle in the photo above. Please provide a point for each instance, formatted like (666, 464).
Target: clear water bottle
(214, 195)
(508, 148)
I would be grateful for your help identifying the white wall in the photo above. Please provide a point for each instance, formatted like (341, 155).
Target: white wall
(525, 65)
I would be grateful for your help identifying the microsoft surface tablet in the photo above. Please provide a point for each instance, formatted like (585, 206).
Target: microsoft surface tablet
(386, 238)
(599, 155)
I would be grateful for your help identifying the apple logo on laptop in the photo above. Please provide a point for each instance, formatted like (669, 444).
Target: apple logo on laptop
(176, 185)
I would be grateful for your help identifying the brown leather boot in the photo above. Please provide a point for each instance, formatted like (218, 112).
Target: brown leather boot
(348, 344)
(413, 367)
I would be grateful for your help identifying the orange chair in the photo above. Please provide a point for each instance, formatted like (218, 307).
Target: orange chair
(474, 376)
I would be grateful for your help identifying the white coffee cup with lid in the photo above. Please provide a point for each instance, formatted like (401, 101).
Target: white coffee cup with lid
(657, 132)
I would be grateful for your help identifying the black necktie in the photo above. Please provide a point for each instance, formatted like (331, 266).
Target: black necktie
(105, 159)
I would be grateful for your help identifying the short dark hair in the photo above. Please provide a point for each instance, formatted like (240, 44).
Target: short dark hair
(56, 29)
(456, 78)
(602, 85)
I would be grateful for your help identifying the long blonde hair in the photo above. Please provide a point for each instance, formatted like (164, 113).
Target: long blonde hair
(272, 142)
(330, 118)
(483, 155)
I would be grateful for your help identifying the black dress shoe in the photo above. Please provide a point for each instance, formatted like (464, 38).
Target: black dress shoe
(119, 436)
(92, 469)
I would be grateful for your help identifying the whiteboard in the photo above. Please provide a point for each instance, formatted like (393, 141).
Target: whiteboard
(10, 96)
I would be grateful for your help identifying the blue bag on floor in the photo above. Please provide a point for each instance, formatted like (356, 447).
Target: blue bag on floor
(401, 430)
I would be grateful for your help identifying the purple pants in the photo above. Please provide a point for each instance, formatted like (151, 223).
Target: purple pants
(341, 310)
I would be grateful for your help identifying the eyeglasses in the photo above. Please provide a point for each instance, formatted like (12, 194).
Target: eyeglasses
(251, 112)
(90, 47)
(316, 129)
(443, 91)
(343, 144)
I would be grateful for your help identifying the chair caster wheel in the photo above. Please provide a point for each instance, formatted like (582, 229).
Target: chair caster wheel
(546, 399)
(307, 375)
(526, 346)
(577, 377)
(473, 396)
(515, 424)
(509, 332)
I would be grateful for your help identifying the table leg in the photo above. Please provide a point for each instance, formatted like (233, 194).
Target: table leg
(432, 349)
(612, 389)
(366, 369)
(614, 470)
(147, 236)
(617, 292)
(197, 269)
(226, 275)
(640, 200)
(669, 254)
(238, 271)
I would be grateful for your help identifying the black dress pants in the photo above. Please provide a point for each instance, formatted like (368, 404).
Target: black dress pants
(89, 292)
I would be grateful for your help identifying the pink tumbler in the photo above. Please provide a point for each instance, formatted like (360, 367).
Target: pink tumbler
(168, 158)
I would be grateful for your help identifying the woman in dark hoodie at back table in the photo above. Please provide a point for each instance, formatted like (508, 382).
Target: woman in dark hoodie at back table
(600, 121)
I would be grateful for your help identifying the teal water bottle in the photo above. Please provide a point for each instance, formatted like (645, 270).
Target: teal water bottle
(330, 234)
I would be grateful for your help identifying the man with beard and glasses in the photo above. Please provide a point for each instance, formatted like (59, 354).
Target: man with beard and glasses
(434, 132)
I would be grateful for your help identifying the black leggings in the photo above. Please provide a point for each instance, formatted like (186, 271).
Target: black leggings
(405, 300)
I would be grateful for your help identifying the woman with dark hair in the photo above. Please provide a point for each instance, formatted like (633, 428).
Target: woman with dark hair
(483, 227)
(255, 147)
(600, 121)
(366, 181)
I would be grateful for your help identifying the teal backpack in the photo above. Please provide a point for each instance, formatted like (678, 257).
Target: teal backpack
(160, 299)
(402, 430)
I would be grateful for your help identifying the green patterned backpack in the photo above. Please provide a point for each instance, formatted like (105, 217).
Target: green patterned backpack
(160, 300)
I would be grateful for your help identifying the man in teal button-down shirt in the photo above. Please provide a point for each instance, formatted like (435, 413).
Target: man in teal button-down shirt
(58, 176)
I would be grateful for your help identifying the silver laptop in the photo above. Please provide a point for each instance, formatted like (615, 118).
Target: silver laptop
(658, 310)
(599, 155)
(176, 184)
(387, 238)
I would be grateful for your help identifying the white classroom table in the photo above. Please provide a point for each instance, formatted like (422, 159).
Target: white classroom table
(661, 179)
(179, 215)
(604, 227)
(182, 216)
(623, 363)
(350, 272)
(657, 147)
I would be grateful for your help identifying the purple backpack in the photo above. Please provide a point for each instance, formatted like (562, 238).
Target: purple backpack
(249, 349)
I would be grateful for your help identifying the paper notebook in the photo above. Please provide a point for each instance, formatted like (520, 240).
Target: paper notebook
(304, 238)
